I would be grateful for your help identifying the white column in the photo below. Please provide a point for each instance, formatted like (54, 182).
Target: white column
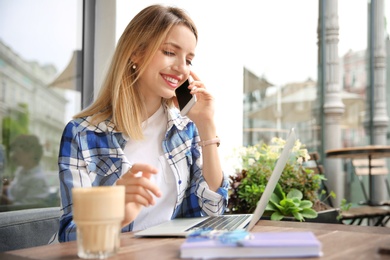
(380, 120)
(105, 28)
(333, 105)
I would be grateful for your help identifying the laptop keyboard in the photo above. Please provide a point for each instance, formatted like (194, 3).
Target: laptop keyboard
(223, 222)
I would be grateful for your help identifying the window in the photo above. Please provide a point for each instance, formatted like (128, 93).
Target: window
(40, 43)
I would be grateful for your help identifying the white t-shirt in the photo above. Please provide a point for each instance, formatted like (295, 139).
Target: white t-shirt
(149, 150)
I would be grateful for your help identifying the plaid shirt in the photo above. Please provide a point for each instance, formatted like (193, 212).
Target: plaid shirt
(93, 156)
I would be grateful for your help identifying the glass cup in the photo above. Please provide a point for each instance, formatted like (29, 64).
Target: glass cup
(98, 213)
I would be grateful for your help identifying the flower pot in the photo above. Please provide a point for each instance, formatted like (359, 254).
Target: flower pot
(325, 213)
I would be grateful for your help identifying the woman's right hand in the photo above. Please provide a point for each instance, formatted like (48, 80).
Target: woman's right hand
(139, 190)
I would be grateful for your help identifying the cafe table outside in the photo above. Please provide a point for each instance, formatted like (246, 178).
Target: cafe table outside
(338, 242)
(369, 152)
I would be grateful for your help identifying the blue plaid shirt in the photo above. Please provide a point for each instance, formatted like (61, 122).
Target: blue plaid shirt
(93, 156)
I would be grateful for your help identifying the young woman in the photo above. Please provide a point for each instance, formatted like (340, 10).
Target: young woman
(133, 134)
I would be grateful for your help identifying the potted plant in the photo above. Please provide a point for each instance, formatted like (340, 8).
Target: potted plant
(299, 187)
(291, 204)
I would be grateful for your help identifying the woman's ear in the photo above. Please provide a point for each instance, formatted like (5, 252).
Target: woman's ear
(134, 62)
(135, 57)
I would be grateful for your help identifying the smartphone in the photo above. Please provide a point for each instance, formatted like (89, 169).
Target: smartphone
(185, 99)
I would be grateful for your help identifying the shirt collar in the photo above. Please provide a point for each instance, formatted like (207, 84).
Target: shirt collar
(104, 126)
(175, 119)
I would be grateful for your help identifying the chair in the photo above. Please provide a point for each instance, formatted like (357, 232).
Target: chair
(28, 228)
(314, 164)
(361, 169)
(376, 216)
(373, 215)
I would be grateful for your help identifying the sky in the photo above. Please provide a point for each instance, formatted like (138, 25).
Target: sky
(35, 33)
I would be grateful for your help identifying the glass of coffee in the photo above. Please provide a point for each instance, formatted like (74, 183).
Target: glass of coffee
(98, 213)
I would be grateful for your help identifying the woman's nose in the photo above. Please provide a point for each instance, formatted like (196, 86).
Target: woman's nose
(181, 66)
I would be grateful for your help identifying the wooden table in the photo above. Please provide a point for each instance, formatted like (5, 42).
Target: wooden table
(338, 242)
(369, 152)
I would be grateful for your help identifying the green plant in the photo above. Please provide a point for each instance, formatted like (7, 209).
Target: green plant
(344, 206)
(292, 204)
(255, 165)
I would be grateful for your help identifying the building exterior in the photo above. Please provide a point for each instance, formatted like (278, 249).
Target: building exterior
(24, 90)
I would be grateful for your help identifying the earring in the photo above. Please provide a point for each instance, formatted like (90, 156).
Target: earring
(134, 67)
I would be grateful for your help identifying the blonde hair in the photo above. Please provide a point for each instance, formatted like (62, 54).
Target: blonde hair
(118, 99)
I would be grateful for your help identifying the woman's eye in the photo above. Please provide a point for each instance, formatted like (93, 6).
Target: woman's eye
(168, 53)
(171, 53)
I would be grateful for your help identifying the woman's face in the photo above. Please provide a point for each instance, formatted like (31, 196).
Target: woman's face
(170, 66)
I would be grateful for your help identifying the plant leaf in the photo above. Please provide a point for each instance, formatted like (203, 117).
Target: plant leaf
(276, 216)
(278, 207)
(309, 213)
(306, 204)
(279, 192)
(274, 198)
(271, 207)
(298, 216)
(294, 193)
(294, 209)
(287, 203)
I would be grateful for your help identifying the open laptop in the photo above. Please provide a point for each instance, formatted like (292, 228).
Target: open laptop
(181, 227)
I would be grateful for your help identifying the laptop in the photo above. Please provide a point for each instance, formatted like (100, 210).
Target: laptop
(181, 227)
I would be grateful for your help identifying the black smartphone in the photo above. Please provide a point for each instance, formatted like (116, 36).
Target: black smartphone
(185, 99)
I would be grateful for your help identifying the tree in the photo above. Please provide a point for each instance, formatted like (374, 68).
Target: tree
(15, 124)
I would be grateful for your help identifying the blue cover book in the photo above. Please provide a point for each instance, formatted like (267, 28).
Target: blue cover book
(250, 245)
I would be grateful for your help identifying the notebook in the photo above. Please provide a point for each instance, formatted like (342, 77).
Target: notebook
(181, 227)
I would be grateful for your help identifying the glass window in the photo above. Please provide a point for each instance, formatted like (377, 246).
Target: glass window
(265, 52)
(291, 101)
(40, 52)
(287, 102)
